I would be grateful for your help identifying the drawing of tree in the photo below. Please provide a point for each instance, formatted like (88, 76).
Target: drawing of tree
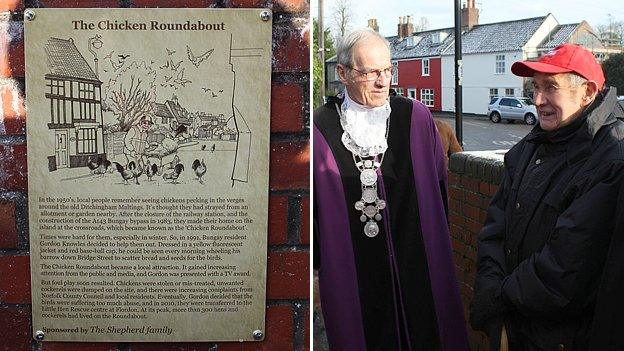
(131, 93)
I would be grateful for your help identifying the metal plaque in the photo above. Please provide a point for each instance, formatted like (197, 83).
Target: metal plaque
(148, 158)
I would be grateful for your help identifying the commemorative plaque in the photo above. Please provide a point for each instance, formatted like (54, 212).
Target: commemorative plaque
(148, 154)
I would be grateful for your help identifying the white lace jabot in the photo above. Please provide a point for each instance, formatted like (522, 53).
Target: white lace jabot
(364, 128)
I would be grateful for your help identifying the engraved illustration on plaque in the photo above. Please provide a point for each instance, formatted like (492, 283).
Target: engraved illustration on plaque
(129, 126)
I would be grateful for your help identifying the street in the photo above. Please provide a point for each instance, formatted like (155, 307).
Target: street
(481, 134)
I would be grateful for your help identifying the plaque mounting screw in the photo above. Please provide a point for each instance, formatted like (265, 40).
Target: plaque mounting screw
(39, 335)
(258, 335)
(265, 15)
(29, 15)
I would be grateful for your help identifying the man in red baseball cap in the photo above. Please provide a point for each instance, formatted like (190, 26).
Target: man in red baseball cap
(566, 80)
(543, 246)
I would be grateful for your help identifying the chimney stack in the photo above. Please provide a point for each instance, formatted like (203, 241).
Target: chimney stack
(405, 27)
(469, 15)
(372, 23)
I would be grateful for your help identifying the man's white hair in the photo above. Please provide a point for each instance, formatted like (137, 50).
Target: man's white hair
(575, 79)
(344, 51)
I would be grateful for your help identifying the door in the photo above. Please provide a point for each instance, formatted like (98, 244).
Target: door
(61, 149)
(507, 107)
(517, 110)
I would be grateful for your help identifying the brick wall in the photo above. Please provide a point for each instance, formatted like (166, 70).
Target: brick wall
(287, 316)
(473, 180)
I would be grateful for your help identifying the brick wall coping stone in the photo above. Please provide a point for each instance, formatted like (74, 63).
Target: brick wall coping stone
(484, 166)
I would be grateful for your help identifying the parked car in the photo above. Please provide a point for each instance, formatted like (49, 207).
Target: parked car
(621, 100)
(512, 108)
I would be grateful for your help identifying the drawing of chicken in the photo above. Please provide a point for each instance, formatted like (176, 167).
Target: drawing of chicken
(102, 168)
(174, 174)
(93, 165)
(200, 169)
(126, 174)
(151, 169)
(170, 165)
(136, 172)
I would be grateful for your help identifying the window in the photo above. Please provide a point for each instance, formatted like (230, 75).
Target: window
(399, 91)
(395, 73)
(425, 67)
(426, 97)
(57, 87)
(493, 93)
(509, 92)
(87, 141)
(410, 41)
(58, 111)
(88, 109)
(508, 102)
(411, 93)
(500, 64)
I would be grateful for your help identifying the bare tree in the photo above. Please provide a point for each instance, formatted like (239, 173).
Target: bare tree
(131, 94)
(611, 34)
(342, 17)
(422, 25)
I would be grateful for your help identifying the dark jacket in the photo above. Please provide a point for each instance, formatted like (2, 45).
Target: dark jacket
(542, 249)
(607, 329)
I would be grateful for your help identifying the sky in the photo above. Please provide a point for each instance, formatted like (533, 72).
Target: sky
(440, 13)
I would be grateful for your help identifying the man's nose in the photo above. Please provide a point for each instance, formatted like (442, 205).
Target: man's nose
(539, 99)
(383, 79)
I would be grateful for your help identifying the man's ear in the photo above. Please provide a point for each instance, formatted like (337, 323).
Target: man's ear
(589, 95)
(342, 74)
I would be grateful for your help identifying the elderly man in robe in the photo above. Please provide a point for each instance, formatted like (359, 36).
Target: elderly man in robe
(382, 244)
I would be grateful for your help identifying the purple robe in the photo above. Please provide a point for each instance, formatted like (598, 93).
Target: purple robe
(396, 291)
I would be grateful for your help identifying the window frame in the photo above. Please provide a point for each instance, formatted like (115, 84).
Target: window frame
(499, 65)
(86, 141)
(427, 66)
(427, 97)
(492, 91)
(395, 74)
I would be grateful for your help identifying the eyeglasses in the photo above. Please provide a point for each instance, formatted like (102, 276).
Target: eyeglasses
(551, 88)
(375, 73)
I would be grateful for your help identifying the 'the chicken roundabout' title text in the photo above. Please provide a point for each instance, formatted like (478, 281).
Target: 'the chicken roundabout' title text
(152, 25)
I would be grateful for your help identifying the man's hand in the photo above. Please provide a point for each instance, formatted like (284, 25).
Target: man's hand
(504, 344)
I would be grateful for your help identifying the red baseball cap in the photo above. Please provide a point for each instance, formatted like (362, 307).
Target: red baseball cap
(562, 59)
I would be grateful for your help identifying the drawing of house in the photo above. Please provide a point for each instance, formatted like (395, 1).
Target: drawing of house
(180, 114)
(207, 125)
(162, 115)
(74, 94)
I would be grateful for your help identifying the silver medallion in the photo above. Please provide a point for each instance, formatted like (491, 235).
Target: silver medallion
(381, 204)
(359, 205)
(371, 229)
(368, 177)
(369, 195)
(370, 211)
